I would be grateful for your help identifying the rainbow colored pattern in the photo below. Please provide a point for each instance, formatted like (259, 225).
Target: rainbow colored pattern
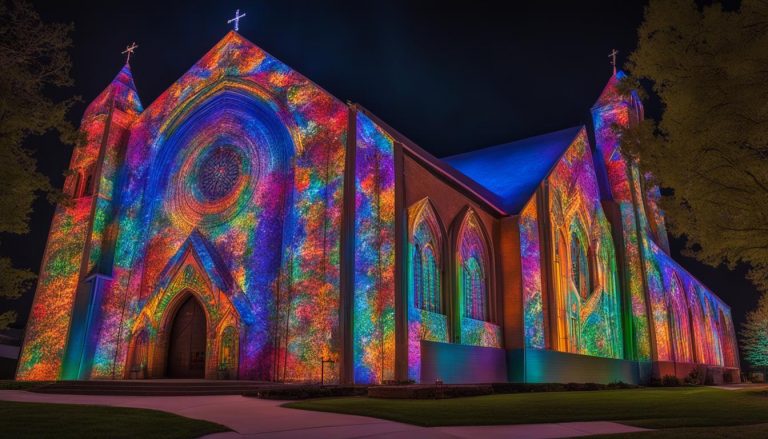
(229, 188)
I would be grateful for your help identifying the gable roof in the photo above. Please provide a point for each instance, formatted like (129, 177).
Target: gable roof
(512, 171)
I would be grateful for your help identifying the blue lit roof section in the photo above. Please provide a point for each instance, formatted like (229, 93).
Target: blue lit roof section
(512, 171)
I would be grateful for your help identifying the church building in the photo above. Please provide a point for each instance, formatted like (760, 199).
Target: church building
(248, 225)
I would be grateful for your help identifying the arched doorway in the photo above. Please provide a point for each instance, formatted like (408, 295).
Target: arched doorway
(187, 341)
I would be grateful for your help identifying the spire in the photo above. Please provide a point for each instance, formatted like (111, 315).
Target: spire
(123, 90)
(611, 93)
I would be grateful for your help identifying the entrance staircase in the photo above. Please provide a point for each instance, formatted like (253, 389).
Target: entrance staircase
(160, 387)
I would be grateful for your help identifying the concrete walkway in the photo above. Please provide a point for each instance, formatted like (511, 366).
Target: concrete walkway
(258, 418)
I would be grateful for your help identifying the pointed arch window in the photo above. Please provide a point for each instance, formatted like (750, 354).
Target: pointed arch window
(425, 261)
(678, 321)
(475, 306)
(76, 182)
(88, 186)
(580, 270)
(473, 266)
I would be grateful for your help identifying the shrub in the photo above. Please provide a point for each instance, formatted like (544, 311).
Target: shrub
(694, 377)
(670, 381)
(622, 385)
(429, 391)
(291, 392)
(557, 387)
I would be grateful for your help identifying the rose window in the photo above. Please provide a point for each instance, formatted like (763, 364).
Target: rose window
(218, 173)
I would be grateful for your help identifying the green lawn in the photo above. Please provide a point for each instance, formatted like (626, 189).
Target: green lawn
(33, 420)
(683, 408)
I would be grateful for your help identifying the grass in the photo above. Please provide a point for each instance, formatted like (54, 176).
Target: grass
(34, 420)
(683, 409)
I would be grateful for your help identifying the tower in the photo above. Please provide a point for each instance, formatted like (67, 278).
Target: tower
(612, 110)
(76, 265)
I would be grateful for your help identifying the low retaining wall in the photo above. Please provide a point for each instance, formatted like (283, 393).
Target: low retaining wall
(543, 366)
(460, 364)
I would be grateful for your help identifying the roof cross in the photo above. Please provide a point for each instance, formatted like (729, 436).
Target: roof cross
(129, 51)
(612, 56)
(236, 19)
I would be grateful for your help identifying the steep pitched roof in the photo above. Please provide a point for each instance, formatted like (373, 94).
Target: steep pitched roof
(123, 90)
(513, 171)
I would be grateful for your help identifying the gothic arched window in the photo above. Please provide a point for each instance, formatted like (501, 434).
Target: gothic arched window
(88, 186)
(76, 182)
(473, 266)
(580, 272)
(425, 265)
(679, 325)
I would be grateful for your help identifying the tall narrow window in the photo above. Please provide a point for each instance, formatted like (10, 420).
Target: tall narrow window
(429, 281)
(679, 324)
(228, 348)
(88, 187)
(473, 264)
(580, 274)
(474, 290)
(76, 184)
(418, 284)
(425, 260)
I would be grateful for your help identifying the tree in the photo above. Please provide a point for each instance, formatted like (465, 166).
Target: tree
(707, 66)
(754, 335)
(33, 61)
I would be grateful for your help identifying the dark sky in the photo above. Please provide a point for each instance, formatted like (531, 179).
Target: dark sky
(452, 76)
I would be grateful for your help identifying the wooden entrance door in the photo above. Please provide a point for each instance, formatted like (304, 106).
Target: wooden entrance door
(186, 351)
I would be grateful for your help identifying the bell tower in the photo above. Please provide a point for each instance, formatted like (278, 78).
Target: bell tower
(613, 110)
(76, 266)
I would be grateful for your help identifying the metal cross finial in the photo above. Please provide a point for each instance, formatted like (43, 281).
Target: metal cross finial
(612, 56)
(129, 51)
(236, 20)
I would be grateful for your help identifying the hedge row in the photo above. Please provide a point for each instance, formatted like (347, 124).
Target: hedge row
(290, 392)
(431, 391)
(424, 391)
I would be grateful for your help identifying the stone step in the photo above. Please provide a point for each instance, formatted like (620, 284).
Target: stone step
(155, 387)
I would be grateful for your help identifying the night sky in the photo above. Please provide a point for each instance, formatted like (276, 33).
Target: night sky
(450, 76)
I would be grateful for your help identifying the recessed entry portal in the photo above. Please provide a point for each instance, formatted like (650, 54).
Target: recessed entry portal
(186, 350)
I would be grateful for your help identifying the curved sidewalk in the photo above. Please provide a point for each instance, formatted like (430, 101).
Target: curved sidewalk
(258, 418)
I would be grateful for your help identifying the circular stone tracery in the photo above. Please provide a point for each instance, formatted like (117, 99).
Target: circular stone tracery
(218, 173)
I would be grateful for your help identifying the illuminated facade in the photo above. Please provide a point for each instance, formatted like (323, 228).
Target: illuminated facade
(249, 225)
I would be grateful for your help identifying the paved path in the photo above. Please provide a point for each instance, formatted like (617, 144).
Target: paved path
(743, 386)
(258, 418)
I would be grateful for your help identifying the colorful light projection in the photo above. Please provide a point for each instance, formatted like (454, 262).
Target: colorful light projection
(684, 317)
(78, 227)
(611, 110)
(530, 255)
(474, 278)
(186, 276)
(244, 153)
(374, 294)
(426, 311)
(229, 188)
(587, 294)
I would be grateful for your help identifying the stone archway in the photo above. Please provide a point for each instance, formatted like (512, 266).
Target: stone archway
(187, 341)
(211, 311)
